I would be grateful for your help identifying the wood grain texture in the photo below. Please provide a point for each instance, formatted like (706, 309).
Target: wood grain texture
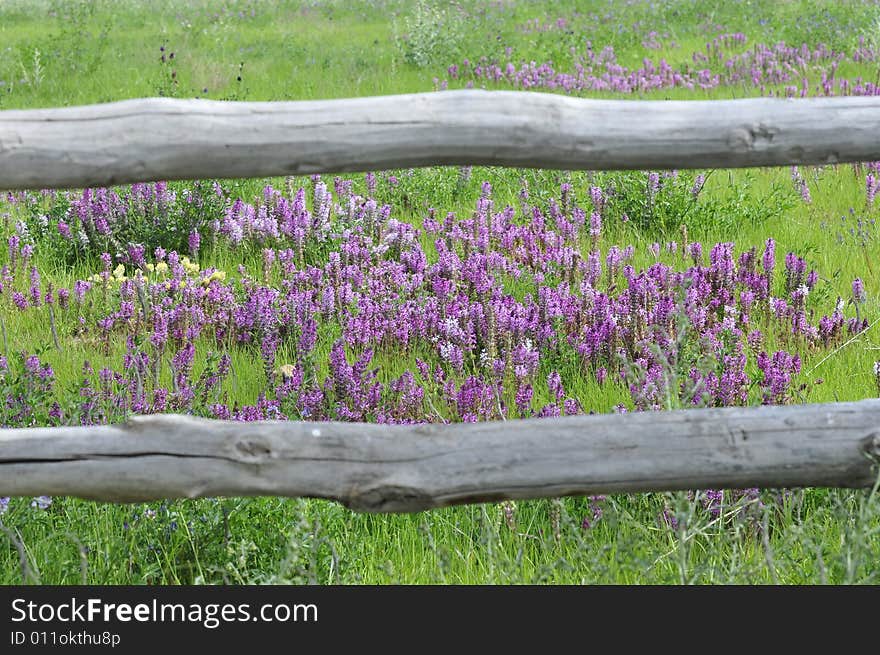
(164, 139)
(387, 468)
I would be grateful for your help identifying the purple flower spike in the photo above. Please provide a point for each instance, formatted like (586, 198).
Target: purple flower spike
(194, 242)
(858, 290)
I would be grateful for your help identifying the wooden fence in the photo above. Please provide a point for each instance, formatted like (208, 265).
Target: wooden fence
(384, 468)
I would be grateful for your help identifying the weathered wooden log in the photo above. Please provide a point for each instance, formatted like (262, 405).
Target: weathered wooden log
(387, 468)
(165, 139)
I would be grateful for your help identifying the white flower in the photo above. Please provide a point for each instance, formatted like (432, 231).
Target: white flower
(445, 350)
(451, 324)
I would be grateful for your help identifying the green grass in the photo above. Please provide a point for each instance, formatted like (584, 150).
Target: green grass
(812, 536)
(66, 53)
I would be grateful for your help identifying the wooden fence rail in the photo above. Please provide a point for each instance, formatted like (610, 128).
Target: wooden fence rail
(165, 139)
(395, 468)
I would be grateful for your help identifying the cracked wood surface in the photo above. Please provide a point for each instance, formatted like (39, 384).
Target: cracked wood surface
(164, 139)
(406, 468)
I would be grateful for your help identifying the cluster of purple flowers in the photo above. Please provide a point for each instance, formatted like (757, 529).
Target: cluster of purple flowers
(129, 223)
(508, 311)
(726, 60)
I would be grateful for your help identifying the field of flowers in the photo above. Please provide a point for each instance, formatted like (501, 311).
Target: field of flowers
(441, 294)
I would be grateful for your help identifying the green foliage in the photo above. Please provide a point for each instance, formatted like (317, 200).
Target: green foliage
(81, 43)
(27, 388)
(653, 202)
(796, 537)
(166, 84)
(165, 220)
(660, 207)
(433, 33)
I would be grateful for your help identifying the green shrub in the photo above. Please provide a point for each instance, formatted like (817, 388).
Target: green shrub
(433, 33)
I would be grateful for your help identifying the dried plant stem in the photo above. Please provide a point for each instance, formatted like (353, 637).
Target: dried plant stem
(51, 326)
(841, 347)
(867, 260)
(5, 340)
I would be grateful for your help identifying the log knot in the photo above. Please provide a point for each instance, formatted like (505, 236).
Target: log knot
(253, 449)
(871, 446)
(762, 134)
(749, 138)
(389, 498)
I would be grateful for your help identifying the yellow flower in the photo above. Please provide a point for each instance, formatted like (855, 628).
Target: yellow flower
(286, 371)
(119, 271)
(161, 267)
(150, 267)
(216, 275)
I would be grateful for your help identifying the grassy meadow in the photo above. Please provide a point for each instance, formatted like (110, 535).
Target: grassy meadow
(63, 53)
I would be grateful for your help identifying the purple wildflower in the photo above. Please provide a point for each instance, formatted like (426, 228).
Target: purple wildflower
(41, 502)
(554, 383)
(194, 242)
(20, 300)
(858, 291)
(524, 399)
(699, 181)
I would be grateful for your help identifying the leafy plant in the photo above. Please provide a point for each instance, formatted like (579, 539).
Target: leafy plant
(432, 33)
(166, 84)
